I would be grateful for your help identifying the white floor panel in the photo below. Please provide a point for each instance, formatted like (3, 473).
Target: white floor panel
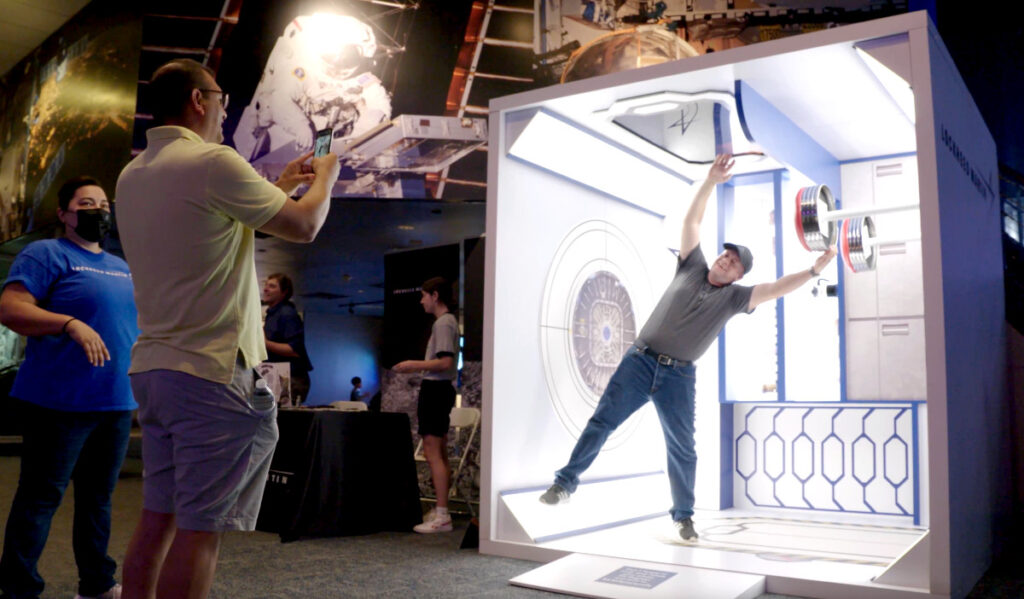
(744, 542)
(594, 506)
(607, 577)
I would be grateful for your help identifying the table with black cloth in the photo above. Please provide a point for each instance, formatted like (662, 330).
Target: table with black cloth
(340, 473)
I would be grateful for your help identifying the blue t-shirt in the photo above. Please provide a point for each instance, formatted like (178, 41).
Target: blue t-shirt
(96, 289)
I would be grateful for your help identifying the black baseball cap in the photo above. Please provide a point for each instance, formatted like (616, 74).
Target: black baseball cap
(746, 258)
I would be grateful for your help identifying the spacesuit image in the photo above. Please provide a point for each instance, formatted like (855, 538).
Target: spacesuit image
(317, 77)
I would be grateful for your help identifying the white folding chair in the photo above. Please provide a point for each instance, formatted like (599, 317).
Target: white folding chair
(466, 422)
(349, 406)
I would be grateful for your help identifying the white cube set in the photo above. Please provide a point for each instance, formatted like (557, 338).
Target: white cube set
(849, 402)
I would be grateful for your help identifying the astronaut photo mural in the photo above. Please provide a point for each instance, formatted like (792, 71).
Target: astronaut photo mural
(317, 77)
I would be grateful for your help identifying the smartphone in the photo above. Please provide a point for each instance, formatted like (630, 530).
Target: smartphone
(323, 142)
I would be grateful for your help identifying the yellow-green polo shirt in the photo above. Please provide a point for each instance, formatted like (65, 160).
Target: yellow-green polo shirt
(186, 212)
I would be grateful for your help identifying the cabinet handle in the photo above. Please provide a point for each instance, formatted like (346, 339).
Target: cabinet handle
(895, 329)
(887, 170)
(888, 249)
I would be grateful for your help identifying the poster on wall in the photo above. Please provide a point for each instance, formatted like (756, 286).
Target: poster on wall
(373, 76)
(67, 110)
(406, 326)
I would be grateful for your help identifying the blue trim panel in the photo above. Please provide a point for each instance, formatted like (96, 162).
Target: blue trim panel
(726, 200)
(780, 304)
(782, 139)
(915, 442)
(726, 456)
(873, 158)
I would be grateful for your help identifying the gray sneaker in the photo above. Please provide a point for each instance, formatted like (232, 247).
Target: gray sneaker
(686, 531)
(555, 495)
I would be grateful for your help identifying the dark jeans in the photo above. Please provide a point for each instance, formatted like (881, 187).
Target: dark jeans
(639, 379)
(88, 448)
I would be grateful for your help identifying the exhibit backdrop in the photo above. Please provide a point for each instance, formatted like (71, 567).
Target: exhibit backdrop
(65, 110)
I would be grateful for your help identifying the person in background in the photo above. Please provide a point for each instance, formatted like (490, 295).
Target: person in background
(437, 395)
(357, 389)
(188, 209)
(284, 334)
(75, 304)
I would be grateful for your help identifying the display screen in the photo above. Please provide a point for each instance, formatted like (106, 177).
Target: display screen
(323, 142)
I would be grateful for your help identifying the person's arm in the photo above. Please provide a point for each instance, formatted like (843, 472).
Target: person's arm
(791, 282)
(281, 349)
(301, 221)
(718, 173)
(20, 312)
(436, 365)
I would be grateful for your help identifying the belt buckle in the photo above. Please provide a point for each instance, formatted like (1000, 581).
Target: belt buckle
(665, 360)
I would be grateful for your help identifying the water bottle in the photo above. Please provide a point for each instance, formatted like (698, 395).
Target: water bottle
(262, 396)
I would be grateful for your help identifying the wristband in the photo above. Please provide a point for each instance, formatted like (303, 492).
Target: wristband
(814, 274)
(64, 329)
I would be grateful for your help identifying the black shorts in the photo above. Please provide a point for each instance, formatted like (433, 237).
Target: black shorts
(437, 398)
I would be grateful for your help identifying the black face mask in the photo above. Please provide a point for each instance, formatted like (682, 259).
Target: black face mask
(93, 224)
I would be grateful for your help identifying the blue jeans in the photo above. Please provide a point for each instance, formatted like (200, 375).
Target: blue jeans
(640, 378)
(87, 447)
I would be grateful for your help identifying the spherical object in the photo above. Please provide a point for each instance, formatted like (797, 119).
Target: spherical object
(624, 50)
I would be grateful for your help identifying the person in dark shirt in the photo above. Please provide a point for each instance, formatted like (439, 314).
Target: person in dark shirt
(285, 334)
(357, 389)
(660, 367)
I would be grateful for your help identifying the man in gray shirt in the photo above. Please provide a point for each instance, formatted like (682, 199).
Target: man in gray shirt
(697, 304)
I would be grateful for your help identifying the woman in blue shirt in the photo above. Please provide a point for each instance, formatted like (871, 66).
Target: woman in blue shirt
(75, 304)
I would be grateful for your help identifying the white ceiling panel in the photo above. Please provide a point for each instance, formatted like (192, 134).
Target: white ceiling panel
(24, 24)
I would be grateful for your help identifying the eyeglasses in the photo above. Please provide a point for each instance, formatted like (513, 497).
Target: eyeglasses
(223, 96)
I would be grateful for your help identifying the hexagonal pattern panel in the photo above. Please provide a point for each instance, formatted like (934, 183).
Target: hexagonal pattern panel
(843, 457)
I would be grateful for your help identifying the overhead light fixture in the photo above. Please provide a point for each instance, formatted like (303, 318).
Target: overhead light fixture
(896, 86)
(558, 145)
(406, 227)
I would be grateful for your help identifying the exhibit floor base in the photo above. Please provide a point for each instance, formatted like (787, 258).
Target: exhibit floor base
(851, 553)
(599, 576)
(813, 546)
(595, 505)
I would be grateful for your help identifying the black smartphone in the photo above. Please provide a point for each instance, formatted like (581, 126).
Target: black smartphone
(323, 142)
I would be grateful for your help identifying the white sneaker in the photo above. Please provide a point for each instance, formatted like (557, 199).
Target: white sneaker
(113, 592)
(434, 523)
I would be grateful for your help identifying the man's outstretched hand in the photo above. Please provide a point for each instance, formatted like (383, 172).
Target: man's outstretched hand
(824, 259)
(720, 169)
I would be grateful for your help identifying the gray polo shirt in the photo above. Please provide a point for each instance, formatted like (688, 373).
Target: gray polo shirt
(692, 311)
(444, 341)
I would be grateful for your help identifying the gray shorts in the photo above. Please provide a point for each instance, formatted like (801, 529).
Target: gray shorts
(206, 448)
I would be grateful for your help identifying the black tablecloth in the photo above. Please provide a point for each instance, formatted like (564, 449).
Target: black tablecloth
(340, 473)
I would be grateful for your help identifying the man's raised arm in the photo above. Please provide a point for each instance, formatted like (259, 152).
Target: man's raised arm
(300, 221)
(791, 282)
(718, 173)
